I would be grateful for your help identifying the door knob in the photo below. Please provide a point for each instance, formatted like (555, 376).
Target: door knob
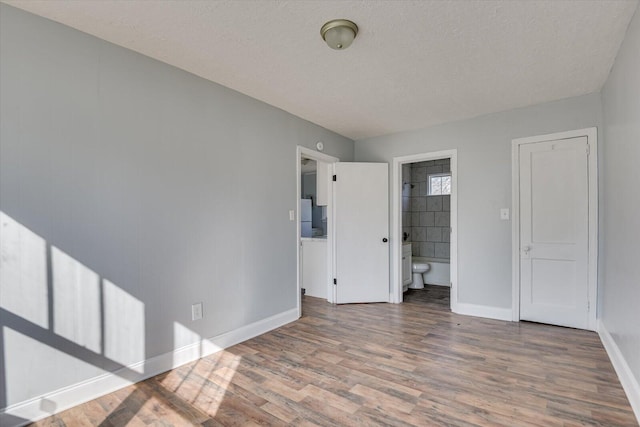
(526, 249)
(385, 240)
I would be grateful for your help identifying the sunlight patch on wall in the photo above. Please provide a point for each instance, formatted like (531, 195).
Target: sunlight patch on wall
(26, 374)
(76, 301)
(124, 339)
(183, 336)
(23, 272)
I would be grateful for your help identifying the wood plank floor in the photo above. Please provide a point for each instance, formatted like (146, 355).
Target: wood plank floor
(381, 364)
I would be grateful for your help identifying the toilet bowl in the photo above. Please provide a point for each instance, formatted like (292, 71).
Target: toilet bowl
(418, 268)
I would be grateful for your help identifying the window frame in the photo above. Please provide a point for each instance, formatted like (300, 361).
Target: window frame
(438, 175)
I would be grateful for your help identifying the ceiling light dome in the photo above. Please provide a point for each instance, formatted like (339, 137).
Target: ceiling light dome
(339, 33)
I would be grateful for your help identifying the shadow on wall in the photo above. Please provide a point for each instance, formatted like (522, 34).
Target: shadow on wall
(55, 309)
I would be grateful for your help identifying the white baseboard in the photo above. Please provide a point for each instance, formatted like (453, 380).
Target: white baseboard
(489, 312)
(627, 379)
(76, 394)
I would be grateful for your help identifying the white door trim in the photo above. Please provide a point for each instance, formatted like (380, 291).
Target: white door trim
(592, 140)
(396, 215)
(317, 156)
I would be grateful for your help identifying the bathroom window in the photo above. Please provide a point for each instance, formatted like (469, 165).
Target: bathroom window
(439, 184)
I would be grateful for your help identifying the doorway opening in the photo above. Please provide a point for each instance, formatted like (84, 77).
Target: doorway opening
(424, 228)
(314, 225)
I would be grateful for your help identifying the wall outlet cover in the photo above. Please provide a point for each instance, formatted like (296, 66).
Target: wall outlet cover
(504, 214)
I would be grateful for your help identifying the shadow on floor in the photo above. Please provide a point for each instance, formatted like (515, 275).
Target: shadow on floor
(431, 295)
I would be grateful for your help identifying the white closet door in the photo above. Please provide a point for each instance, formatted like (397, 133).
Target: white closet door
(554, 232)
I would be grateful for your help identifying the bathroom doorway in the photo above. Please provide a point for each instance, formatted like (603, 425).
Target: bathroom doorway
(424, 228)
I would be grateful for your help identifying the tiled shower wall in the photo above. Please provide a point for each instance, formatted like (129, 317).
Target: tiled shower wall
(425, 219)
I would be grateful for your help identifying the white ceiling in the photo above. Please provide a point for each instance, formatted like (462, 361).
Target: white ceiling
(413, 64)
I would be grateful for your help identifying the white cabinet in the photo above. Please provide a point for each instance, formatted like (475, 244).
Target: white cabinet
(322, 184)
(406, 264)
(314, 267)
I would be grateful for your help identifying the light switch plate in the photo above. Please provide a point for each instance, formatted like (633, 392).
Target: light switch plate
(504, 214)
(292, 215)
(196, 311)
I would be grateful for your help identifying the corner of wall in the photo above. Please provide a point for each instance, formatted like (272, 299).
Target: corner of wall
(629, 382)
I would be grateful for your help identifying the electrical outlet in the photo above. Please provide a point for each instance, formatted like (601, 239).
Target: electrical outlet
(196, 311)
(504, 214)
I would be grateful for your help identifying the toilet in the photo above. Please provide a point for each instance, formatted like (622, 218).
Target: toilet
(419, 266)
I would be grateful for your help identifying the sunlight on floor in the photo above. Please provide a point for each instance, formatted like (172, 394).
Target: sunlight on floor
(204, 383)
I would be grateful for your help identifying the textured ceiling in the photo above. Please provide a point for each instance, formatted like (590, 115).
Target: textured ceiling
(413, 64)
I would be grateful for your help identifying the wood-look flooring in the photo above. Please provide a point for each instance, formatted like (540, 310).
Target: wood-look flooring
(381, 364)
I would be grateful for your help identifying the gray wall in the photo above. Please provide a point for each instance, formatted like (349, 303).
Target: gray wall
(484, 182)
(129, 186)
(620, 200)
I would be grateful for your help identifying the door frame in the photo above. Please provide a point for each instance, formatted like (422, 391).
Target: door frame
(592, 168)
(317, 156)
(396, 228)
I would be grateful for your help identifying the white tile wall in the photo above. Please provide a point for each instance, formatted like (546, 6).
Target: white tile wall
(406, 204)
(434, 234)
(418, 204)
(442, 250)
(415, 219)
(426, 219)
(418, 234)
(427, 249)
(442, 219)
(418, 174)
(446, 203)
(406, 201)
(434, 169)
(434, 203)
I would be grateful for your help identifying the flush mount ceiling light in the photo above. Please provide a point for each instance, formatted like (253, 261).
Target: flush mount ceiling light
(339, 33)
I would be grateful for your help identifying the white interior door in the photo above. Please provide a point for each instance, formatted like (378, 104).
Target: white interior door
(554, 232)
(362, 232)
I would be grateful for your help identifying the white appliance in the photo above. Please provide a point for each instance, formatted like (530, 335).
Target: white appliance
(305, 218)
